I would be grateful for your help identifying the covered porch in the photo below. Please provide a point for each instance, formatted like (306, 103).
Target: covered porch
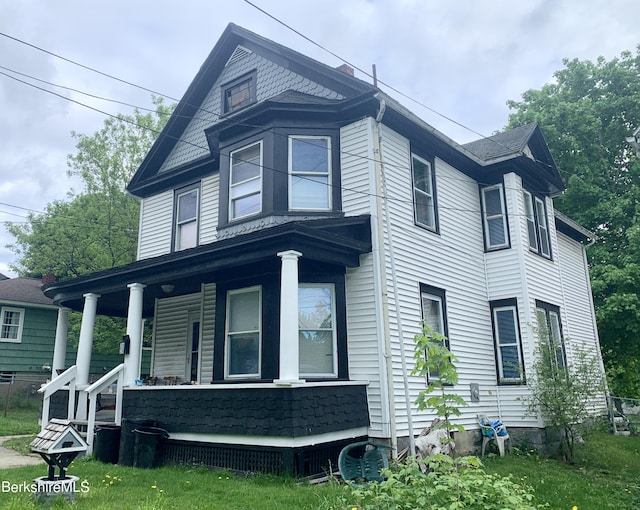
(212, 374)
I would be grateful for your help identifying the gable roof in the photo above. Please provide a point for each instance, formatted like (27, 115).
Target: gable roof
(232, 37)
(25, 291)
(508, 143)
(524, 146)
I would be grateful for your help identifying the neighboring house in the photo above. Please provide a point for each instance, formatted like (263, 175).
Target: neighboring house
(28, 322)
(296, 227)
(27, 330)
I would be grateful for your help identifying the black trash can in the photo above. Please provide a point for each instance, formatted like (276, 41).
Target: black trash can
(128, 439)
(145, 450)
(106, 443)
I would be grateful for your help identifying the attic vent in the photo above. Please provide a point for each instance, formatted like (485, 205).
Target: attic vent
(239, 53)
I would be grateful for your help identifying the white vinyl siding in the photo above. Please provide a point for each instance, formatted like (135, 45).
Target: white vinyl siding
(210, 191)
(156, 216)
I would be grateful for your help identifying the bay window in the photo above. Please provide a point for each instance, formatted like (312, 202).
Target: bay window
(317, 330)
(243, 333)
(310, 173)
(245, 181)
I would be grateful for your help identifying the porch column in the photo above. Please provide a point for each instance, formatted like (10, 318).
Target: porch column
(134, 330)
(83, 359)
(60, 345)
(289, 342)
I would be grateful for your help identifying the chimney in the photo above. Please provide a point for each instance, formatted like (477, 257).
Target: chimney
(48, 279)
(346, 69)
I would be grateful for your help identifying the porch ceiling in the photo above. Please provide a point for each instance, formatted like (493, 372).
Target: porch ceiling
(334, 241)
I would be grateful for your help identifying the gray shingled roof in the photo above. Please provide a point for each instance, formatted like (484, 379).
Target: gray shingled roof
(23, 290)
(511, 142)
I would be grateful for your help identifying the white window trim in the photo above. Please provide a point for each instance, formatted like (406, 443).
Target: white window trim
(530, 216)
(195, 219)
(429, 193)
(555, 337)
(231, 186)
(310, 175)
(230, 293)
(514, 311)
(486, 218)
(543, 227)
(20, 325)
(334, 336)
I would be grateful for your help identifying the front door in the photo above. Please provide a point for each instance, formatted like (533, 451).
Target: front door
(192, 372)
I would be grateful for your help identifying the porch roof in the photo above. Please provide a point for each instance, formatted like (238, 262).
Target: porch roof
(336, 241)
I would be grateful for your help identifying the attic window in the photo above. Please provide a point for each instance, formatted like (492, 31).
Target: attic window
(239, 93)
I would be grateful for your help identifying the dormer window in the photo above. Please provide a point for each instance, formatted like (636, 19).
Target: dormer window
(239, 93)
(245, 181)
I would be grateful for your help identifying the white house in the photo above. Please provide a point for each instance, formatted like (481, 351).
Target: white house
(297, 225)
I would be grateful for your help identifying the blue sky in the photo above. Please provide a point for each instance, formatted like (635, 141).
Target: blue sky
(464, 59)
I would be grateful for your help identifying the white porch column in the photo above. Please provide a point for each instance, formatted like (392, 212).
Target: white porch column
(134, 330)
(60, 345)
(289, 343)
(83, 359)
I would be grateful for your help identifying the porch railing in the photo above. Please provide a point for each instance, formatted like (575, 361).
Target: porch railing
(66, 378)
(117, 374)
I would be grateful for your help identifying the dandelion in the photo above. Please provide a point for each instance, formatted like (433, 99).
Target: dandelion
(574, 507)
(154, 486)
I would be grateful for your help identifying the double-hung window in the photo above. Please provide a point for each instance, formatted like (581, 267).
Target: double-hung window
(550, 333)
(537, 224)
(317, 330)
(423, 196)
(433, 313)
(310, 173)
(245, 181)
(11, 324)
(508, 346)
(243, 333)
(186, 218)
(494, 214)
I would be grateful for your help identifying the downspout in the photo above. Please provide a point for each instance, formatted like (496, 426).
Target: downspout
(382, 196)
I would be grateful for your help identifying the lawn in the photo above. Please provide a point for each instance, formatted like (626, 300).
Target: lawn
(21, 416)
(606, 475)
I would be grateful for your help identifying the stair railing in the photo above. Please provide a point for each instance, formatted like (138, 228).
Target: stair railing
(116, 374)
(65, 379)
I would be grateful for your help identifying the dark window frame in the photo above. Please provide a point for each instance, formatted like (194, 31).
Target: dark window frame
(549, 310)
(537, 231)
(504, 216)
(500, 305)
(226, 89)
(440, 294)
(177, 193)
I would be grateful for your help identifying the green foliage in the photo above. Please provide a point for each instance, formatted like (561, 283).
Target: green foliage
(564, 395)
(435, 362)
(585, 115)
(448, 484)
(96, 228)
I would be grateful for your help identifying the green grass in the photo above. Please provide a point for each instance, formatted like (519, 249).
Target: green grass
(123, 488)
(22, 416)
(606, 474)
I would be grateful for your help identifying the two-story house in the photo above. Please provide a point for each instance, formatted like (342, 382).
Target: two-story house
(297, 225)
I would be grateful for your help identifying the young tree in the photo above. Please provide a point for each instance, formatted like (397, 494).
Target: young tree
(564, 393)
(585, 115)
